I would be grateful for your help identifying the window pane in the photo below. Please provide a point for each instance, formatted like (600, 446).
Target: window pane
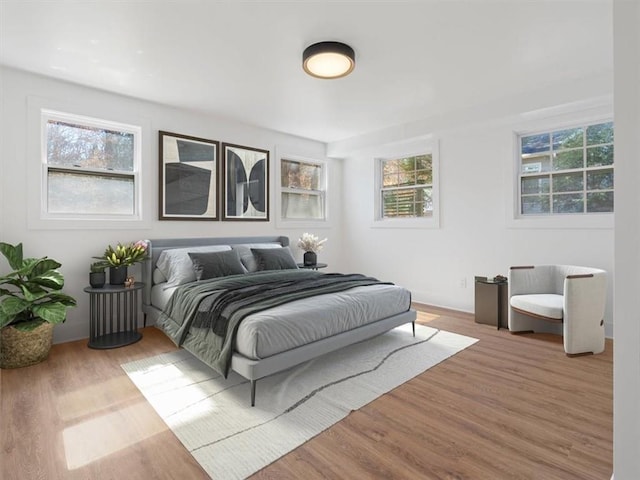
(536, 164)
(535, 204)
(83, 146)
(535, 185)
(600, 202)
(568, 182)
(424, 162)
(568, 160)
(390, 180)
(597, 156)
(573, 137)
(90, 194)
(536, 143)
(390, 166)
(300, 206)
(414, 202)
(568, 203)
(600, 179)
(424, 177)
(600, 133)
(300, 175)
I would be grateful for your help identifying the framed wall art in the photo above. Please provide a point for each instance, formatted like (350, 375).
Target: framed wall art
(245, 180)
(189, 177)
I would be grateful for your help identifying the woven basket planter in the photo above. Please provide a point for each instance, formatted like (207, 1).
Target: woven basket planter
(21, 349)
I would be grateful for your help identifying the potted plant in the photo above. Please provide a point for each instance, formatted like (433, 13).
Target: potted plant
(97, 275)
(310, 244)
(121, 257)
(31, 303)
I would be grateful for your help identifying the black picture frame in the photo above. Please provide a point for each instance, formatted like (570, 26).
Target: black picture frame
(189, 177)
(245, 180)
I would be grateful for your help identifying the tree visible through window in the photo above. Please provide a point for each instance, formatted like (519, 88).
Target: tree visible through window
(567, 171)
(407, 187)
(91, 168)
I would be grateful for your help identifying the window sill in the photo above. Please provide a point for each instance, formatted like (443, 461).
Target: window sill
(593, 221)
(425, 223)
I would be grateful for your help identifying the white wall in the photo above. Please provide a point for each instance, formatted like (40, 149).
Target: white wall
(74, 247)
(477, 234)
(626, 377)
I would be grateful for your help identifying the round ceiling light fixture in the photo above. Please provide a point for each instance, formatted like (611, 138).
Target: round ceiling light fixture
(328, 60)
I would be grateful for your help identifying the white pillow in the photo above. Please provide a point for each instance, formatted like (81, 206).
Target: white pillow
(158, 277)
(246, 255)
(175, 264)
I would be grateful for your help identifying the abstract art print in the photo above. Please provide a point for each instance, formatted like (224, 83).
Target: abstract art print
(246, 183)
(188, 177)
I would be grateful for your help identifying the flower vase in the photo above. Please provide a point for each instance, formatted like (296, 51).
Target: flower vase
(117, 275)
(309, 259)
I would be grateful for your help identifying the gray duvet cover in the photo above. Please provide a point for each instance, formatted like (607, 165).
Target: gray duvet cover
(198, 315)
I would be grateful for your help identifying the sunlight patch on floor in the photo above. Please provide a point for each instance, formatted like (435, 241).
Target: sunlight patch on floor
(94, 398)
(424, 317)
(101, 436)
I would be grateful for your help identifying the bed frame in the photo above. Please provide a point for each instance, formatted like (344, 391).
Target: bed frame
(252, 369)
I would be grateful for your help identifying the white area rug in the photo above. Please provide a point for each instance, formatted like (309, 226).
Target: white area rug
(212, 416)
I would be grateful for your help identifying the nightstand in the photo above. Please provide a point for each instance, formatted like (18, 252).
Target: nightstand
(312, 267)
(113, 314)
(491, 299)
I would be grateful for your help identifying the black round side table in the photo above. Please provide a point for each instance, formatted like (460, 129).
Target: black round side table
(113, 315)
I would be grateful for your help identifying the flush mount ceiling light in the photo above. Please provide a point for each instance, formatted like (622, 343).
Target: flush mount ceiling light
(328, 60)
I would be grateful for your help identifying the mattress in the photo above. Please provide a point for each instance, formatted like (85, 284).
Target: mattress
(298, 323)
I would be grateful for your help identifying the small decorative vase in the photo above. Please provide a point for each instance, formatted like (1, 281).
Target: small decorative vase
(97, 279)
(117, 275)
(309, 259)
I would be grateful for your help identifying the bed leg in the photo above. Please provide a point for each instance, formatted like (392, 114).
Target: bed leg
(253, 393)
(413, 327)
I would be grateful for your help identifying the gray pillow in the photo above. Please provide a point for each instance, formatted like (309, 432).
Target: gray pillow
(274, 258)
(216, 264)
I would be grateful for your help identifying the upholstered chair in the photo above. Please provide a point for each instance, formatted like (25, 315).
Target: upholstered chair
(560, 299)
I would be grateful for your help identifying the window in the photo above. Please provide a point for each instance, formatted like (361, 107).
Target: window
(302, 187)
(90, 167)
(568, 171)
(407, 187)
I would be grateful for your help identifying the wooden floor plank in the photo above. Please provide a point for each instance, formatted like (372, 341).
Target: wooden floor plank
(508, 407)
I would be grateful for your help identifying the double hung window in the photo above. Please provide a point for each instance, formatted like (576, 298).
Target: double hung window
(567, 171)
(90, 167)
(302, 190)
(406, 189)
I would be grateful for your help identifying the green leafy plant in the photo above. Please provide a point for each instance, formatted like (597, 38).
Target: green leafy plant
(98, 267)
(30, 295)
(125, 255)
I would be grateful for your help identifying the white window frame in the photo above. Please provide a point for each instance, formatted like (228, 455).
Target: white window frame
(47, 115)
(564, 120)
(322, 192)
(421, 147)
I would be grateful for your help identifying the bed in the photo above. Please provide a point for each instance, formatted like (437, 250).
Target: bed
(186, 278)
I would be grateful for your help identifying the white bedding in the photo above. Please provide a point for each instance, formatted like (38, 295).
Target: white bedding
(297, 323)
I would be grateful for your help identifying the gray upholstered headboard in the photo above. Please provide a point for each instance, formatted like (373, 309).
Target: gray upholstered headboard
(156, 247)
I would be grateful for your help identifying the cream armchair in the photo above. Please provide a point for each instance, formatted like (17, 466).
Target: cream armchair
(567, 296)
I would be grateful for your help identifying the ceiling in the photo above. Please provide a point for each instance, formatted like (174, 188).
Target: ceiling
(242, 60)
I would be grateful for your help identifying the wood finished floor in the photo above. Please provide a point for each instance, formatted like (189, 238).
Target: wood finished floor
(508, 407)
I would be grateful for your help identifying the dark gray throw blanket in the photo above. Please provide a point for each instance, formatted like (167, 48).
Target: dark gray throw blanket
(211, 310)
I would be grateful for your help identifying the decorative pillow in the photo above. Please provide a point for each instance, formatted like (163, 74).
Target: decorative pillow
(274, 258)
(176, 265)
(246, 255)
(216, 264)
